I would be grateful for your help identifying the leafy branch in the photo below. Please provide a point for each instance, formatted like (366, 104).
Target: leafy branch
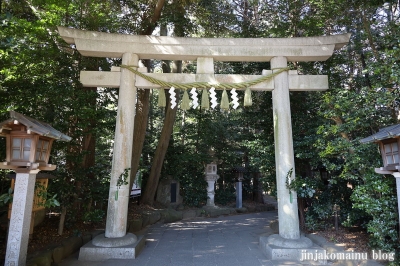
(304, 187)
(46, 199)
(6, 198)
(122, 181)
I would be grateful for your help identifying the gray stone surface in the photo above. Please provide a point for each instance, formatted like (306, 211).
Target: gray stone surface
(302, 242)
(211, 179)
(164, 192)
(267, 199)
(86, 238)
(284, 153)
(189, 214)
(101, 44)
(239, 203)
(170, 215)
(228, 240)
(39, 217)
(295, 254)
(90, 252)
(241, 210)
(18, 232)
(102, 241)
(135, 225)
(71, 245)
(58, 254)
(149, 218)
(216, 211)
(274, 225)
(118, 197)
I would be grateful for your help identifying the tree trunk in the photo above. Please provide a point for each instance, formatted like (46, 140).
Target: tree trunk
(154, 19)
(367, 29)
(62, 220)
(139, 134)
(152, 182)
(301, 206)
(143, 103)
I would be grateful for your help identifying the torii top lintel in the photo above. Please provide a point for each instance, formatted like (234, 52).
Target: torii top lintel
(111, 45)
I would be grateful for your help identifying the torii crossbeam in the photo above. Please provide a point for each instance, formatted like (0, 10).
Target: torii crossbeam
(132, 48)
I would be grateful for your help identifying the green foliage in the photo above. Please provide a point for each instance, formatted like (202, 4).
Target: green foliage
(6, 198)
(122, 181)
(304, 187)
(377, 198)
(95, 216)
(320, 210)
(188, 168)
(46, 199)
(225, 195)
(39, 76)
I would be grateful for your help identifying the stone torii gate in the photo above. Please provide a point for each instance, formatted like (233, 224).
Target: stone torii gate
(132, 48)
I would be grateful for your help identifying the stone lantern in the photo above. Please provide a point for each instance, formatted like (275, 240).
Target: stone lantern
(388, 139)
(211, 169)
(28, 145)
(211, 177)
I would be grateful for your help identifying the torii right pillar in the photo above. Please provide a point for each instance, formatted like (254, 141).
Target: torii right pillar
(284, 154)
(288, 244)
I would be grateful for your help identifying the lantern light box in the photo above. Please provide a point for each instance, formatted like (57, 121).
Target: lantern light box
(388, 139)
(28, 142)
(211, 169)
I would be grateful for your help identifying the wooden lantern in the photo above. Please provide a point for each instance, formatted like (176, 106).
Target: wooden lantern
(28, 142)
(390, 153)
(238, 172)
(388, 139)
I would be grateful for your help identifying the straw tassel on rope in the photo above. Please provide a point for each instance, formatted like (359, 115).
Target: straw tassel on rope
(247, 98)
(204, 86)
(225, 101)
(185, 104)
(205, 103)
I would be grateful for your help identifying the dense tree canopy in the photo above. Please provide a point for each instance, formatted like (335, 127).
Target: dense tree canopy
(39, 77)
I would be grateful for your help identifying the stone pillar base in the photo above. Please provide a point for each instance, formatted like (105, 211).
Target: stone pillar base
(102, 248)
(302, 250)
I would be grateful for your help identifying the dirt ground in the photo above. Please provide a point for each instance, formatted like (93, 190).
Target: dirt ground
(353, 240)
(45, 235)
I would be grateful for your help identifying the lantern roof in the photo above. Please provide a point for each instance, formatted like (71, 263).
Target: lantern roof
(383, 133)
(239, 169)
(35, 126)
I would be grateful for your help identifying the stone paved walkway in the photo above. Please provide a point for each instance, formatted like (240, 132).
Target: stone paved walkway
(223, 241)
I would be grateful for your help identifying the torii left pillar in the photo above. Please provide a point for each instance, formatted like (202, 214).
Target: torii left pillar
(115, 243)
